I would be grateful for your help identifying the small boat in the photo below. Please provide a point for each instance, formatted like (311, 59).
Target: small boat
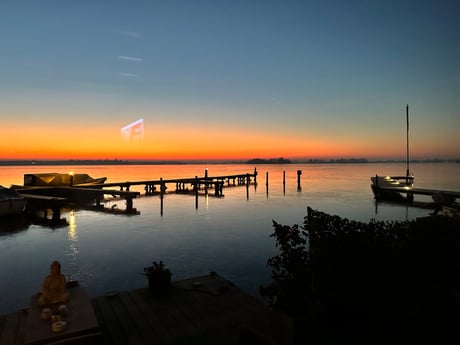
(389, 187)
(11, 202)
(61, 180)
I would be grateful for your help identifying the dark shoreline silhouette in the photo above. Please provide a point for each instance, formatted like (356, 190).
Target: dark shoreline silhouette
(214, 161)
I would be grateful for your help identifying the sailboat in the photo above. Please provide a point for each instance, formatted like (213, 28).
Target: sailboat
(388, 187)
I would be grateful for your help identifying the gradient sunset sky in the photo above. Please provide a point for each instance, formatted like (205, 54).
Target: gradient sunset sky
(229, 79)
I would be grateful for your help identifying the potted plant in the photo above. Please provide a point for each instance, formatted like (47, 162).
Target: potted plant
(159, 278)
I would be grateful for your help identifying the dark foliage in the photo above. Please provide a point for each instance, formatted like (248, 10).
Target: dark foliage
(346, 278)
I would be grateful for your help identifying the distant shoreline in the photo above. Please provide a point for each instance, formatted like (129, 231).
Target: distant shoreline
(191, 162)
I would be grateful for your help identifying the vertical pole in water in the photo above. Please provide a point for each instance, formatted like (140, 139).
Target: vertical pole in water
(284, 182)
(206, 180)
(196, 192)
(162, 189)
(255, 176)
(266, 182)
(299, 188)
(407, 144)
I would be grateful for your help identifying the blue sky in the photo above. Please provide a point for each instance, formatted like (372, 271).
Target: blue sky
(337, 71)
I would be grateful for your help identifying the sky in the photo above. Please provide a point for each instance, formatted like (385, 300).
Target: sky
(229, 79)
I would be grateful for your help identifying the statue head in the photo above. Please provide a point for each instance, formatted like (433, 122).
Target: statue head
(55, 267)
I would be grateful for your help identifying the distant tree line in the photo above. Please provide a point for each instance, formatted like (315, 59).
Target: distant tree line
(280, 160)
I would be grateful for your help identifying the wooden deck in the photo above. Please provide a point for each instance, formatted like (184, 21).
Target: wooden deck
(200, 310)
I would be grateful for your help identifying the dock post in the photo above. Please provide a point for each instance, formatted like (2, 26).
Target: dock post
(299, 188)
(196, 191)
(255, 176)
(266, 183)
(206, 181)
(284, 182)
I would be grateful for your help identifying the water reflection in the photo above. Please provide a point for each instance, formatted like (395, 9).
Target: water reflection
(72, 251)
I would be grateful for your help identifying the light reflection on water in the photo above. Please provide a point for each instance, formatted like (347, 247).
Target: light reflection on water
(72, 251)
(230, 235)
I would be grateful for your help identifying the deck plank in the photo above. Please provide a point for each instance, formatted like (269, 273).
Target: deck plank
(171, 317)
(126, 321)
(22, 323)
(10, 329)
(146, 333)
(111, 326)
(165, 335)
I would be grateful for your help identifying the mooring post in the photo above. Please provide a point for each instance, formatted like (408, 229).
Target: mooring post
(206, 180)
(284, 182)
(299, 172)
(196, 192)
(266, 183)
(255, 176)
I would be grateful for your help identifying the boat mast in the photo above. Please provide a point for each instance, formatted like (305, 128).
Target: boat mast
(407, 143)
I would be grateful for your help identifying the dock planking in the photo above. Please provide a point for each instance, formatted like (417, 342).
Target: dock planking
(200, 310)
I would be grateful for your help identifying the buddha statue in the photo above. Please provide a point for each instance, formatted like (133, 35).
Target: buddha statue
(54, 287)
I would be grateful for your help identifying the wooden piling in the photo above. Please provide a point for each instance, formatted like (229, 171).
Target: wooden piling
(284, 182)
(299, 172)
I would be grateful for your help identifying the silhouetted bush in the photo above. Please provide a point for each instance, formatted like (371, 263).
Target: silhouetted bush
(335, 273)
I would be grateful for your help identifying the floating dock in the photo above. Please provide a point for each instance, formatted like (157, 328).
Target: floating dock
(200, 310)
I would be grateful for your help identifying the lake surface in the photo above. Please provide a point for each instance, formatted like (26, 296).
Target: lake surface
(229, 235)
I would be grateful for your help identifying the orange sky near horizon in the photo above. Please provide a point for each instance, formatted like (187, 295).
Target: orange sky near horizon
(193, 142)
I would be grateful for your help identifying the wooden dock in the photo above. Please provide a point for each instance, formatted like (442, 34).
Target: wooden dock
(54, 197)
(201, 310)
(190, 184)
(410, 192)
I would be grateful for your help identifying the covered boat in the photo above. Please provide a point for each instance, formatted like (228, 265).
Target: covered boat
(11, 202)
(60, 180)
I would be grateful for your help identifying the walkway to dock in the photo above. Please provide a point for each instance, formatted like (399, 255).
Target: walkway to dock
(200, 310)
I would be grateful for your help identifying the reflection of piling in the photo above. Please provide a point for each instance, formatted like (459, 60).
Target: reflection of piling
(248, 181)
(161, 206)
(299, 172)
(266, 183)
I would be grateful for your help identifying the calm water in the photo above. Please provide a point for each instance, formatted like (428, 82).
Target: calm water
(229, 235)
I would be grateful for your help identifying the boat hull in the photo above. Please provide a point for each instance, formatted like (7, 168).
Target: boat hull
(392, 187)
(11, 203)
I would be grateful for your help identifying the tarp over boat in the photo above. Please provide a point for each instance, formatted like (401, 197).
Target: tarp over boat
(57, 179)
